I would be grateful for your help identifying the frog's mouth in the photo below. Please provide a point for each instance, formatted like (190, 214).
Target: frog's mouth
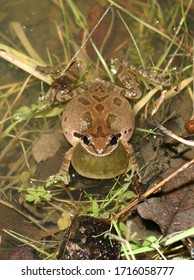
(99, 146)
(102, 152)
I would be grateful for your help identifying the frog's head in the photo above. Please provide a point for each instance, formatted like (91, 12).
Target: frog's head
(99, 142)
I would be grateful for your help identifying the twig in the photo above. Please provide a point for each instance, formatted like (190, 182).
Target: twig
(164, 129)
(153, 189)
(169, 94)
(86, 40)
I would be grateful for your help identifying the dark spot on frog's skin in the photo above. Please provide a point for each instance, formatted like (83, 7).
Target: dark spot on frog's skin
(88, 119)
(111, 87)
(129, 130)
(100, 98)
(99, 133)
(111, 119)
(123, 91)
(84, 87)
(84, 101)
(117, 101)
(99, 108)
(98, 88)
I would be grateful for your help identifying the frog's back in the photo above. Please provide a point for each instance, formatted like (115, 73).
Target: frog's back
(98, 104)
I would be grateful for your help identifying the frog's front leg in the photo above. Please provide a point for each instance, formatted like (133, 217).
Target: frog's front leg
(133, 166)
(128, 79)
(63, 173)
(64, 81)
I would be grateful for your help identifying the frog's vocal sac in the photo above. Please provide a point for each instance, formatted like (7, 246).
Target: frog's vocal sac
(98, 121)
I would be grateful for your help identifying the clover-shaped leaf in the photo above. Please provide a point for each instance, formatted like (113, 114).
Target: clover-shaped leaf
(37, 195)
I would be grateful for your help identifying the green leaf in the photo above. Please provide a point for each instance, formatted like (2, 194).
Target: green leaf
(95, 207)
(38, 194)
(25, 177)
(32, 198)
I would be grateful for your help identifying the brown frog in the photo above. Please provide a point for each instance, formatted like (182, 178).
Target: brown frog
(98, 121)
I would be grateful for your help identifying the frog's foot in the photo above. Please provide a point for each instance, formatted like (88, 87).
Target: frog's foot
(59, 177)
(63, 174)
(135, 170)
(132, 165)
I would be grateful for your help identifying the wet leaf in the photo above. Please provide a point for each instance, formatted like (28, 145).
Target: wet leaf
(173, 208)
(47, 145)
(25, 177)
(95, 207)
(37, 195)
(128, 195)
(21, 253)
(65, 221)
(50, 166)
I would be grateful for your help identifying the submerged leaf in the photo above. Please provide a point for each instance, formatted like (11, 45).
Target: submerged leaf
(173, 208)
(47, 145)
(36, 195)
(65, 221)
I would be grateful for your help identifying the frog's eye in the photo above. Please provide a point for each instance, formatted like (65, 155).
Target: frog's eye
(114, 139)
(86, 140)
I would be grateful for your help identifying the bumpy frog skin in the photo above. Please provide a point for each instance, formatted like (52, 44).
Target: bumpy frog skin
(98, 121)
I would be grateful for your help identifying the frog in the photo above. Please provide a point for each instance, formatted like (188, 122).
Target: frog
(98, 121)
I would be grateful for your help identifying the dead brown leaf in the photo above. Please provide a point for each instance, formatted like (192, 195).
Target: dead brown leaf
(173, 208)
(47, 145)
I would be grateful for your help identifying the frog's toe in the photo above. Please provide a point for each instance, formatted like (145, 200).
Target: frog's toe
(65, 178)
(135, 170)
(58, 177)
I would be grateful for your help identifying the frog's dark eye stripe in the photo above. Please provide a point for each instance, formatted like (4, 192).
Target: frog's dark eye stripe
(78, 135)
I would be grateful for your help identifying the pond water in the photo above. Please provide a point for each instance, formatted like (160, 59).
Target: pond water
(54, 32)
